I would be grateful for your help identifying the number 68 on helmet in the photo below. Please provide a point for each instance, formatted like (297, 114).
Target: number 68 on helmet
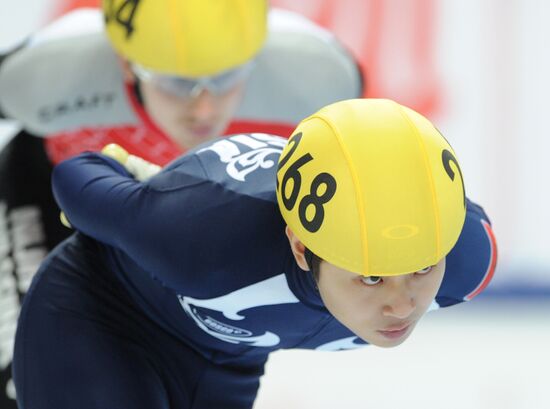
(372, 187)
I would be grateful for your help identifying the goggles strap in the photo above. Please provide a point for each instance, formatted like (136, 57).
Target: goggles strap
(137, 90)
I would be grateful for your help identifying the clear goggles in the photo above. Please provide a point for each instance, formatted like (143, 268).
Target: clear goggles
(186, 87)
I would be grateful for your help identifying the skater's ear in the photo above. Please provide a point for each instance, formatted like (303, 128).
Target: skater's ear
(305, 258)
(298, 249)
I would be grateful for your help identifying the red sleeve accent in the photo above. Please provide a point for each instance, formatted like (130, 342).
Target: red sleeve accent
(272, 128)
(492, 263)
(65, 6)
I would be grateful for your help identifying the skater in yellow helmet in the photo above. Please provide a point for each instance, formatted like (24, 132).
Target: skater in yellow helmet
(188, 60)
(374, 201)
(181, 71)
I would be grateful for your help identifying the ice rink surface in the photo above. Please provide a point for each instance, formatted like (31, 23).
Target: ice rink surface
(488, 354)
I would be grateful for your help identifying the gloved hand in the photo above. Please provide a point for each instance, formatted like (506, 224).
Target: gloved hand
(138, 167)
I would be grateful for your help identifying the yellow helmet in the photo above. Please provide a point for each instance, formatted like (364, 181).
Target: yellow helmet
(372, 187)
(189, 38)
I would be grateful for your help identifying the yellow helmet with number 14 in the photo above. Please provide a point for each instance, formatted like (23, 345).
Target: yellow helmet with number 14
(189, 38)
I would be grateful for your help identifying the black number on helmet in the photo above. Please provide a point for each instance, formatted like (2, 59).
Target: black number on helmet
(293, 174)
(447, 157)
(313, 198)
(317, 201)
(123, 15)
(295, 140)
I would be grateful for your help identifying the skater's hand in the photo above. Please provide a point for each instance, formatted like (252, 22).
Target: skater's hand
(138, 167)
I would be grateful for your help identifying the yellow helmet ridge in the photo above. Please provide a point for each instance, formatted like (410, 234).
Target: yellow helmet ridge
(372, 187)
(189, 38)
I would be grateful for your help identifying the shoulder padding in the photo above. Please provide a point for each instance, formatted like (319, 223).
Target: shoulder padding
(64, 80)
(302, 68)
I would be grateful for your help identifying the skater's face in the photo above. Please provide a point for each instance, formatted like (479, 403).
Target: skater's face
(382, 311)
(189, 111)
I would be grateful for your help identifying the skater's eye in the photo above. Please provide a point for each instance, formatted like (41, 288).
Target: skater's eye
(424, 270)
(371, 280)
